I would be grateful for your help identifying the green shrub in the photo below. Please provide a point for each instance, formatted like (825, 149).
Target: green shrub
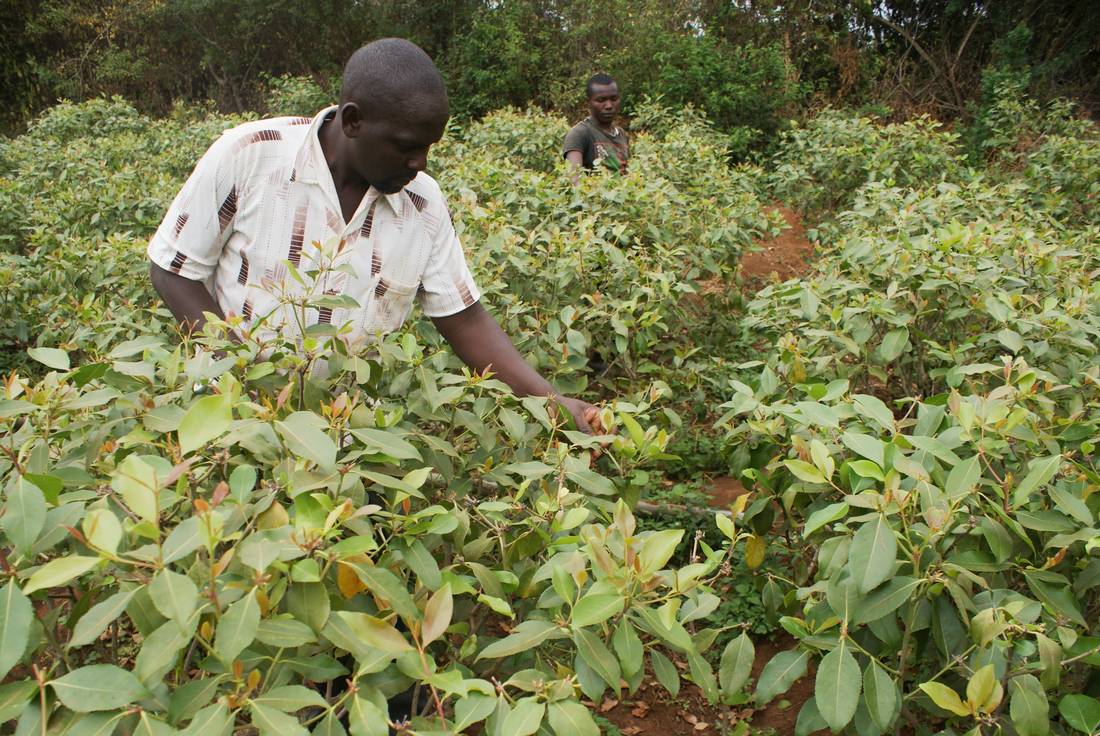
(303, 96)
(820, 165)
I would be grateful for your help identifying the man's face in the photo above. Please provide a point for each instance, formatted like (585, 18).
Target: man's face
(604, 102)
(388, 150)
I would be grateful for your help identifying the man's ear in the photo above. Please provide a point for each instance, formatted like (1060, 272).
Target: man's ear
(351, 119)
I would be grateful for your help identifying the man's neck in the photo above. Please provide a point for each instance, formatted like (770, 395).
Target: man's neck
(332, 145)
(610, 128)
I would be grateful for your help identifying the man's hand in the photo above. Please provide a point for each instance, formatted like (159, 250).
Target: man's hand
(586, 416)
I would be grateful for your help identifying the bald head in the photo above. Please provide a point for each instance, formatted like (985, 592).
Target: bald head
(393, 76)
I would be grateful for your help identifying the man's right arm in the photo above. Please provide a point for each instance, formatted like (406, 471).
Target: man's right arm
(186, 298)
(185, 250)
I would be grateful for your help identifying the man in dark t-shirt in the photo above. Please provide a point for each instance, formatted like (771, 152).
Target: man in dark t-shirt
(597, 142)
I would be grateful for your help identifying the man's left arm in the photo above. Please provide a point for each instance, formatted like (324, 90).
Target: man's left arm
(480, 343)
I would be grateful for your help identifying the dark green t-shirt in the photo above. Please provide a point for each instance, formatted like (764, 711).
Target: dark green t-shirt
(598, 148)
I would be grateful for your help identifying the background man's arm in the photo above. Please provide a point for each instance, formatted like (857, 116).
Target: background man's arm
(480, 343)
(187, 299)
(576, 160)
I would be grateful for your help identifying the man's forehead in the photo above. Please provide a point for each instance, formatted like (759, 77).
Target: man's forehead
(605, 90)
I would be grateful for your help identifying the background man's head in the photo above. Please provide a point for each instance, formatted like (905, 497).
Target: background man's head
(393, 107)
(603, 98)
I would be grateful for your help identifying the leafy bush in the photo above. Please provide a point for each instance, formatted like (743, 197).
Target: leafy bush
(290, 95)
(927, 281)
(247, 528)
(281, 536)
(952, 540)
(819, 166)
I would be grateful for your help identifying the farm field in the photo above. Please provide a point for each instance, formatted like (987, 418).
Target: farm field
(851, 486)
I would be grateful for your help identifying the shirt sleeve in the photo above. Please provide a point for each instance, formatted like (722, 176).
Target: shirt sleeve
(576, 139)
(191, 237)
(447, 286)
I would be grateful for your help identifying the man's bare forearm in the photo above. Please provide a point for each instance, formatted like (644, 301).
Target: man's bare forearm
(186, 299)
(480, 343)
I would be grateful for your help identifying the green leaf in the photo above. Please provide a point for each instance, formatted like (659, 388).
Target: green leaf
(291, 698)
(59, 571)
(703, 676)
(474, 709)
(174, 595)
(809, 719)
(865, 445)
(102, 530)
(874, 408)
(884, 599)
(437, 615)
(329, 726)
(804, 471)
(837, 686)
(872, 557)
(99, 617)
(237, 627)
(666, 672)
(50, 357)
(893, 344)
(16, 615)
(821, 517)
(597, 656)
(945, 698)
(191, 697)
(1040, 472)
(380, 635)
(160, 651)
(105, 724)
(206, 419)
(13, 698)
(136, 481)
(305, 436)
(658, 548)
(1050, 657)
(736, 664)
(388, 587)
(527, 635)
(98, 687)
(570, 718)
(272, 722)
(367, 719)
(525, 717)
(187, 537)
(1057, 598)
(628, 647)
(213, 720)
(284, 631)
(880, 694)
(1028, 706)
(1081, 712)
(779, 674)
(963, 477)
(24, 515)
(594, 609)
(386, 443)
(980, 686)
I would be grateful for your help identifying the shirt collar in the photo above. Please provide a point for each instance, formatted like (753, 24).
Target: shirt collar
(310, 164)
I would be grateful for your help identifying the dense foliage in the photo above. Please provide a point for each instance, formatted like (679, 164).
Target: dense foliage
(203, 534)
(748, 64)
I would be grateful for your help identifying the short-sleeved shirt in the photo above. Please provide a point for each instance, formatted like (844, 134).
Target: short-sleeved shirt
(262, 196)
(599, 149)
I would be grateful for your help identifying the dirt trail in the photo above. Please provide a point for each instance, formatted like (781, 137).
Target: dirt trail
(787, 255)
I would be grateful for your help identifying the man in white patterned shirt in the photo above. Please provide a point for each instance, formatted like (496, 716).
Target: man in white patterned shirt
(266, 192)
